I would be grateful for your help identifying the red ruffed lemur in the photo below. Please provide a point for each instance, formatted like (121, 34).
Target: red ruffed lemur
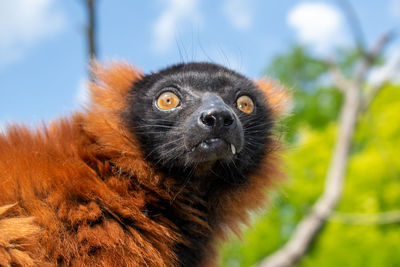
(155, 171)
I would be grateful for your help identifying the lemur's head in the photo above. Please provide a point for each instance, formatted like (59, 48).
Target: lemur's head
(200, 116)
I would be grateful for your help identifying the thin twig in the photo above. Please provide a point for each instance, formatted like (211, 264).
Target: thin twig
(354, 23)
(91, 28)
(375, 89)
(91, 34)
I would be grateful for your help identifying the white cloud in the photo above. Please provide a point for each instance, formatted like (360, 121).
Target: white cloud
(23, 23)
(177, 12)
(317, 24)
(389, 71)
(239, 13)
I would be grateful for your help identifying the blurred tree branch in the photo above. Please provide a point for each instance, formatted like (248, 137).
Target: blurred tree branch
(354, 24)
(91, 30)
(354, 103)
(376, 88)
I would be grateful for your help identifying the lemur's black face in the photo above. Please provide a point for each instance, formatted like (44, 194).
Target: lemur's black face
(200, 116)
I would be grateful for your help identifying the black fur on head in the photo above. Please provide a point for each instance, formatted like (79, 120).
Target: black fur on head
(206, 134)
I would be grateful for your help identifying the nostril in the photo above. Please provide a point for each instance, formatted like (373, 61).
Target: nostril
(208, 120)
(228, 121)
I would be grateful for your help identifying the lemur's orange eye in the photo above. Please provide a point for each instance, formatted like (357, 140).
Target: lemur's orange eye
(245, 104)
(168, 100)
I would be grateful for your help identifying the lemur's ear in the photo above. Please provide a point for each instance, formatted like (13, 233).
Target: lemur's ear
(276, 95)
(111, 84)
(109, 91)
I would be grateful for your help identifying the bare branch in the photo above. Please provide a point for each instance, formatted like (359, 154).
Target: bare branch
(354, 23)
(91, 28)
(370, 57)
(380, 44)
(366, 219)
(376, 89)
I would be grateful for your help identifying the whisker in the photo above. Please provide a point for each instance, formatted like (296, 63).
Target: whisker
(158, 120)
(166, 157)
(164, 145)
(155, 132)
(254, 131)
(260, 125)
(190, 175)
(154, 125)
(239, 172)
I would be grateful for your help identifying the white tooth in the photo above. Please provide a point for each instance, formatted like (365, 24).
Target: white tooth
(233, 148)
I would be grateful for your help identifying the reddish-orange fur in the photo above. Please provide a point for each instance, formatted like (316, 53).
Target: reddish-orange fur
(79, 187)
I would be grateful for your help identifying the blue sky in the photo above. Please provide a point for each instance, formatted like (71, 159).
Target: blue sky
(43, 52)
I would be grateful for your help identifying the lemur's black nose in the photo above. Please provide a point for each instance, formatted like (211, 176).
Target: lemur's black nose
(217, 117)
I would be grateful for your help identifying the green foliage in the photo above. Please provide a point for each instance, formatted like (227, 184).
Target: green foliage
(372, 181)
(316, 102)
(297, 69)
(347, 59)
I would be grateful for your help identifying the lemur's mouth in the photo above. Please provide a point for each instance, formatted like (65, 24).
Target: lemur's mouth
(212, 149)
(213, 143)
